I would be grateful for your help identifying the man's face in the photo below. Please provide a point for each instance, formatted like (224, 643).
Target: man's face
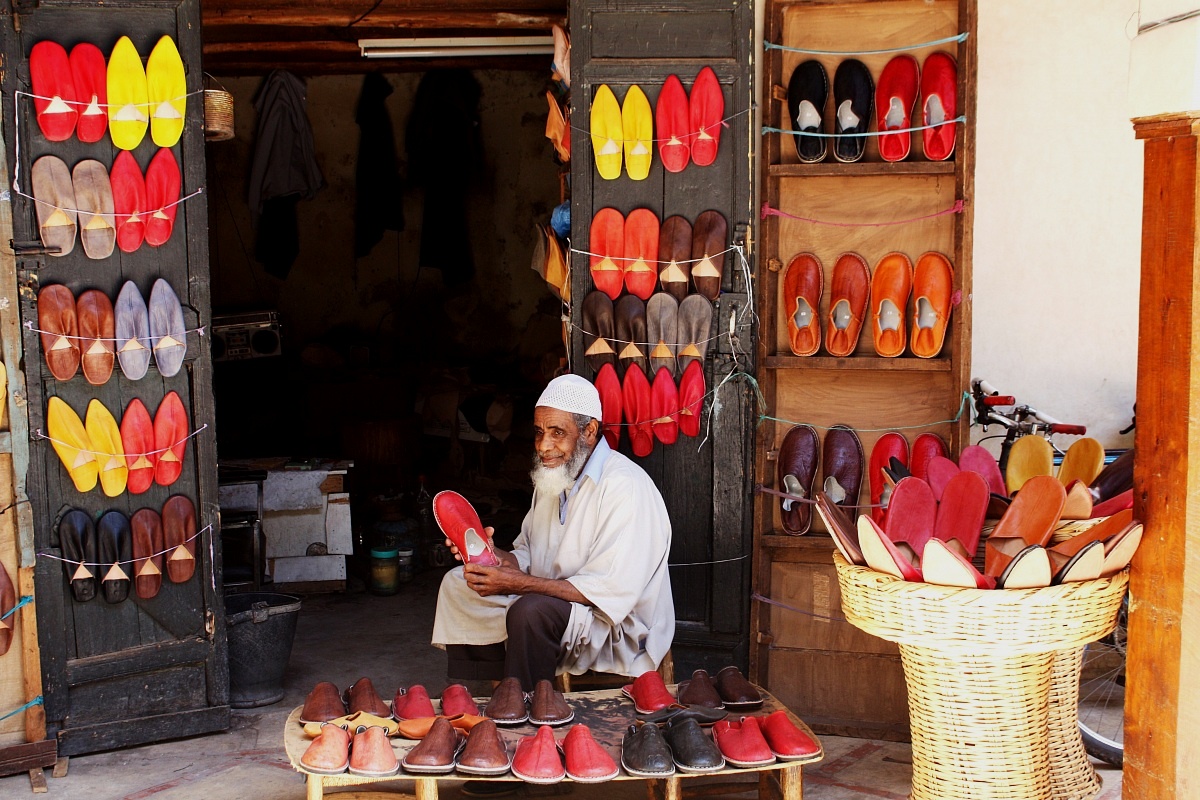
(555, 436)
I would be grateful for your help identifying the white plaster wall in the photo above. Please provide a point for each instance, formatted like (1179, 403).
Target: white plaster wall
(1058, 181)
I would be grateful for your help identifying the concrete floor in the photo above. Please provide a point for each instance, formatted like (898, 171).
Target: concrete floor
(342, 637)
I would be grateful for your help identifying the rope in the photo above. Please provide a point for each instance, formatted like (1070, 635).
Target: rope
(966, 397)
(706, 563)
(961, 37)
(25, 600)
(29, 326)
(86, 104)
(767, 129)
(798, 499)
(732, 249)
(37, 701)
(37, 434)
(769, 211)
(114, 215)
(723, 123)
(762, 599)
(193, 537)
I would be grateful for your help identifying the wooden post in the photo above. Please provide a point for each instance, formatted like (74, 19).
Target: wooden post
(1161, 723)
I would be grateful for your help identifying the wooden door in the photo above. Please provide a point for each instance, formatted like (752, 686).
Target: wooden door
(139, 670)
(705, 481)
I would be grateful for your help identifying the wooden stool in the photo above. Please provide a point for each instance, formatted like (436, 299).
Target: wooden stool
(607, 680)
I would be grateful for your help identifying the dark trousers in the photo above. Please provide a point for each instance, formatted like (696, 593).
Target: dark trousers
(536, 624)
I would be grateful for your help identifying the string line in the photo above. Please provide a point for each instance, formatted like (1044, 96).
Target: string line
(683, 138)
(966, 397)
(37, 434)
(112, 214)
(763, 599)
(86, 104)
(769, 211)
(795, 498)
(651, 260)
(25, 600)
(29, 326)
(958, 38)
(913, 129)
(192, 538)
(706, 563)
(37, 701)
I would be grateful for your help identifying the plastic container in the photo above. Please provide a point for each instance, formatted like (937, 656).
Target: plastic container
(260, 627)
(404, 565)
(384, 578)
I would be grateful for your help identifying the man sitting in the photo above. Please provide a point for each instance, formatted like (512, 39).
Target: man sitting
(586, 585)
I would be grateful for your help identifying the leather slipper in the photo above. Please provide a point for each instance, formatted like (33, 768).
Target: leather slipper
(694, 322)
(797, 470)
(557, 129)
(842, 466)
(882, 555)
(802, 282)
(170, 439)
(933, 290)
(709, 237)
(807, 95)
(598, 330)
(925, 448)
(8, 601)
(607, 244)
(72, 444)
(56, 101)
(1079, 502)
(607, 134)
(1030, 518)
(1114, 504)
(1083, 461)
(411, 704)
(97, 334)
(1030, 456)
(105, 438)
(162, 195)
(706, 113)
(938, 473)
(148, 546)
(1114, 479)
(849, 291)
(853, 100)
(895, 98)
(555, 271)
(637, 127)
(890, 288)
(128, 97)
(912, 513)
(168, 337)
(115, 548)
(841, 528)
(961, 512)
(671, 119)
(691, 398)
(1085, 565)
(179, 531)
(630, 314)
(60, 330)
(91, 89)
(664, 407)
(1029, 567)
(461, 525)
(132, 332)
(166, 92)
(976, 458)
(675, 250)
(129, 201)
(888, 446)
(562, 55)
(94, 201)
(1115, 526)
(609, 389)
(639, 416)
(77, 538)
(641, 252)
(54, 198)
(662, 329)
(137, 439)
(1119, 550)
(939, 102)
(941, 565)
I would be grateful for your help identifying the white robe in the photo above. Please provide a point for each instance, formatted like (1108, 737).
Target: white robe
(613, 547)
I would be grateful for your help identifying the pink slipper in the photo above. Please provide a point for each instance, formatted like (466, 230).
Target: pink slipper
(961, 512)
(938, 473)
(977, 459)
(911, 514)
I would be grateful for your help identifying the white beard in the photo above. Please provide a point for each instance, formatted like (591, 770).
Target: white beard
(553, 481)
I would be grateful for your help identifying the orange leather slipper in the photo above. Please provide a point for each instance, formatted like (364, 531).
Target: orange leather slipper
(890, 288)
(802, 303)
(933, 288)
(1029, 520)
(641, 252)
(606, 241)
(849, 291)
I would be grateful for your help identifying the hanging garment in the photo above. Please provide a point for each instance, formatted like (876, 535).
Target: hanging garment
(378, 202)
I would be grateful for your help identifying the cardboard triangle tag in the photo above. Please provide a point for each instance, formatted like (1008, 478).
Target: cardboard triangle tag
(148, 568)
(57, 106)
(690, 350)
(82, 458)
(82, 573)
(181, 553)
(599, 347)
(631, 350)
(61, 343)
(160, 214)
(703, 134)
(130, 112)
(674, 140)
(5, 625)
(93, 108)
(674, 273)
(96, 222)
(115, 573)
(640, 265)
(639, 149)
(606, 265)
(610, 148)
(661, 351)
(134, 218)
(133, 344)
(167, 341)
(98, 348)
(58, 219)
(166, 110)
(142, 463)
(686, 410)
(114, 462)
(168, 456)
(705, 269)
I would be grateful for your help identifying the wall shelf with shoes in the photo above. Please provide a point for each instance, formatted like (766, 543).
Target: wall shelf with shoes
(861, 168)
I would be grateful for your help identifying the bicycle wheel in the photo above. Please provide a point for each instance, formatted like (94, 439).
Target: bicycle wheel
(1102, 694)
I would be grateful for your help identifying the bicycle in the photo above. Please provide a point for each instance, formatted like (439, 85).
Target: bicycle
(1101, 712)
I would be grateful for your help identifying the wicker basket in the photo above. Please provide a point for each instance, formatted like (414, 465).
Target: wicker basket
(218, 115)
(979, 668)
(1072, 776)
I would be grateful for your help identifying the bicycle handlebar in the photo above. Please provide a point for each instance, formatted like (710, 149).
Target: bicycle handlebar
(1000, 400)
(1071, 430)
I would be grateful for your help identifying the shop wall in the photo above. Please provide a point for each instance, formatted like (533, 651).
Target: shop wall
(1058, 186)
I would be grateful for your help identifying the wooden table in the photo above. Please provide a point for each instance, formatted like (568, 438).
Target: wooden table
(607, 713)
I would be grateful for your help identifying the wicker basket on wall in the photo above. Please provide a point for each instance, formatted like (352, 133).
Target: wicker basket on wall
(218, 115)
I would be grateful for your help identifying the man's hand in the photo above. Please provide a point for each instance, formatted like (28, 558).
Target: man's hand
(495, 580)
(506, 558)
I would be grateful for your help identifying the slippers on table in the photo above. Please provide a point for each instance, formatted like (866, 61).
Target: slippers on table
(71, 443)
(849, 292)
(60, 330)
(675, 250)
(609, 389)
(105, 438)
(55, 101)
(94, 201)
(137, 439)
(694, 324)
(77, 538)
(168, 336)
(671, 119)
(166, 92)
(709, 237)
(648, 693)
(607, 245)
(911, 514)
(170, 439)
(890, 287)
(148, 546)
(888, 446)
(691, 398)
(97, 333)
(598, 332)
(939, 102)
(129, 201)
(1083, 461)
(797, 468)
(883, 555)
(706, 112)
(807, 95)
(179, 538)
(664, 407)
(933, 293)
(802, 283)
(637, 127)
(128, 97)
(607, 133)
(162, 197)
(114, 546)
(662, 329)
(895, 98)
(641, 252)
(637, 404)
(54, 201)
(460, 523)
(132, 332)
(1030, 456)
(630, 314)
(91, 89)
(538, 758)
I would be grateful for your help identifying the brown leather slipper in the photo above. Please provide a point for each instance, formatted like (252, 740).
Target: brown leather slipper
(60, 330)
(674, 256)
(842, 466)
(97, 334)
(147, 552)
(179, 526)
(694, 323)
(8, 601)
(797, 470)
(662, 313)
(55, 201)
(94, 199)
(630, 313)
(710, 235)
(598, 331)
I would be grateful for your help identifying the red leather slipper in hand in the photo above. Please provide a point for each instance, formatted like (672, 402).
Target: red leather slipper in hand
(460, 523)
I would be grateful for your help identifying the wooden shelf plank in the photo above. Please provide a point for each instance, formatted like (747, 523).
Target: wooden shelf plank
(814, 540)
(858, 362)
(827, 168)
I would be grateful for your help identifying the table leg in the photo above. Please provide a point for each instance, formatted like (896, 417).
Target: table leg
(664, 789)
(426, 789)
(781, 784)
(316, 787)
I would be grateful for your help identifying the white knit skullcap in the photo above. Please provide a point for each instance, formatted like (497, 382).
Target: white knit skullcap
(573, 394)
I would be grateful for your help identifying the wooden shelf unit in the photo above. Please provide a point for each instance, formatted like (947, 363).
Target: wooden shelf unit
(837, 677)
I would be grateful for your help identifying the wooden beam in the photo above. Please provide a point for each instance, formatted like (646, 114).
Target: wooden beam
(1161, 727)
(333, 16)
